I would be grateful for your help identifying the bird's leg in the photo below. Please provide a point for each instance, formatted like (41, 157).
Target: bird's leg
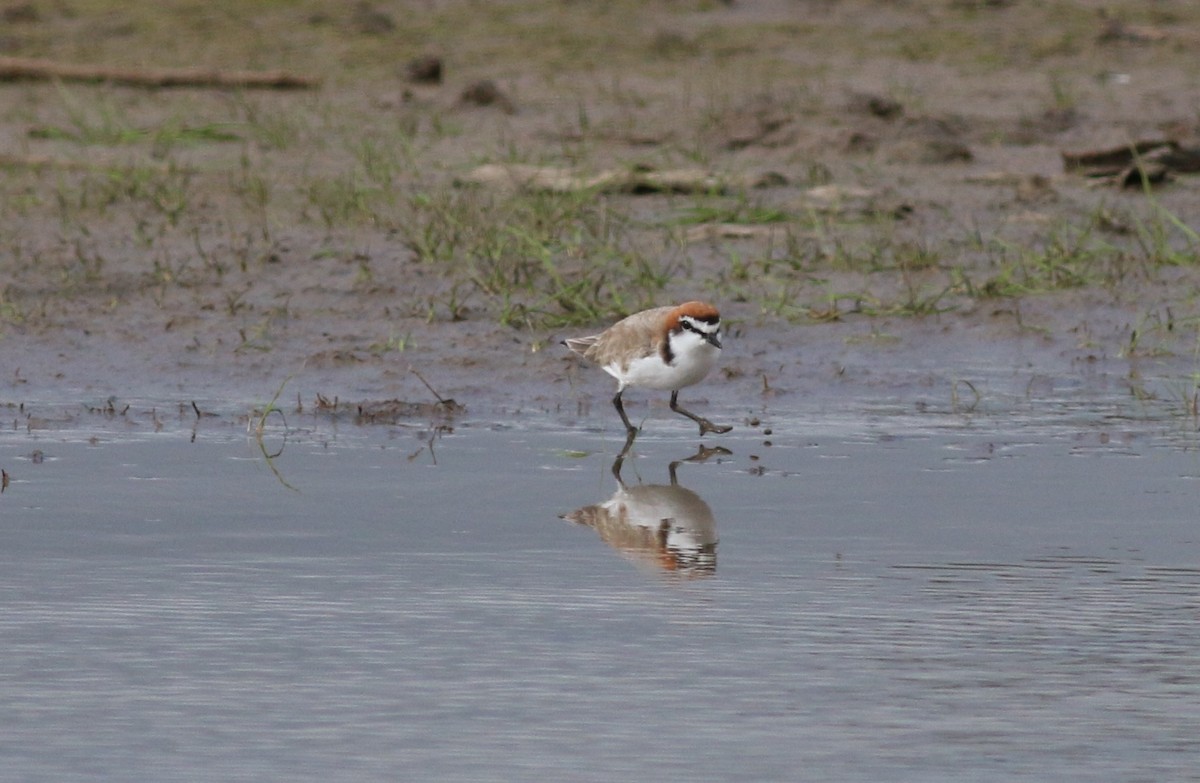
(620, 460)
(629, 428)
(706, 426)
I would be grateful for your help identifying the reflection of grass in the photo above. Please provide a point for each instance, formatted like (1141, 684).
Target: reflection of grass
(257, 426)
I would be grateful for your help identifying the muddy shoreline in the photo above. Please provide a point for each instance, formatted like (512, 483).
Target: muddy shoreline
(949, 364)
(172, 246)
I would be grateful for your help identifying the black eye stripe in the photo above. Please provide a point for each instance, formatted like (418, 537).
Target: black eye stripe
(691, 327)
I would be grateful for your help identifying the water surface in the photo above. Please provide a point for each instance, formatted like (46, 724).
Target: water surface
(880, 597)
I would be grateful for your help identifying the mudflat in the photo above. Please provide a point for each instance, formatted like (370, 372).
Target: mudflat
(923, 201)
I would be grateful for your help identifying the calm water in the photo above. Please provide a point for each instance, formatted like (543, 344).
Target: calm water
(882, 597)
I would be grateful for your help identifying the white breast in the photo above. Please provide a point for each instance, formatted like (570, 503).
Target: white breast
(694, 359)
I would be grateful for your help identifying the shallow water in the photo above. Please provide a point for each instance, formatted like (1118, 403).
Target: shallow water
(879, 597)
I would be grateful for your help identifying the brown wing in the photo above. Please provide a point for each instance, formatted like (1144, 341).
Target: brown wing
(639, 330)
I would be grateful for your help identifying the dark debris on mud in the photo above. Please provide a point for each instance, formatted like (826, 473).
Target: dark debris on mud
(390, 411)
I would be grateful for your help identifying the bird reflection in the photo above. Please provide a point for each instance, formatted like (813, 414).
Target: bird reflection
(664, 525)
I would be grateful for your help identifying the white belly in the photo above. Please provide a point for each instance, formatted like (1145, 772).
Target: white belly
(652, 372)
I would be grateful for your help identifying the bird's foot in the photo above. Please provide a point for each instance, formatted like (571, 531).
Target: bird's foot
(707, 426)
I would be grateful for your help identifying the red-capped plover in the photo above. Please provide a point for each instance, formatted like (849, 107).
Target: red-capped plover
(664, 348)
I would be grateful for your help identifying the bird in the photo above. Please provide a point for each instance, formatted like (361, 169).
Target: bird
(663, 348)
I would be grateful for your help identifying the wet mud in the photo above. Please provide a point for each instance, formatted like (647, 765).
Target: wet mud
(921, 234)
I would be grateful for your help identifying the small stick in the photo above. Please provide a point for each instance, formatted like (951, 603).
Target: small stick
(14, 68)
(432, 391)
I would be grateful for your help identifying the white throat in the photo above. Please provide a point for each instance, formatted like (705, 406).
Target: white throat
(687, 343)
(692, 357)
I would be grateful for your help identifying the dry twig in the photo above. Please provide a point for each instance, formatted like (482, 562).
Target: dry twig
(27, 68)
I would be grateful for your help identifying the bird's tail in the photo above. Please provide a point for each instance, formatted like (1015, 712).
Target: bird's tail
(580, 344)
